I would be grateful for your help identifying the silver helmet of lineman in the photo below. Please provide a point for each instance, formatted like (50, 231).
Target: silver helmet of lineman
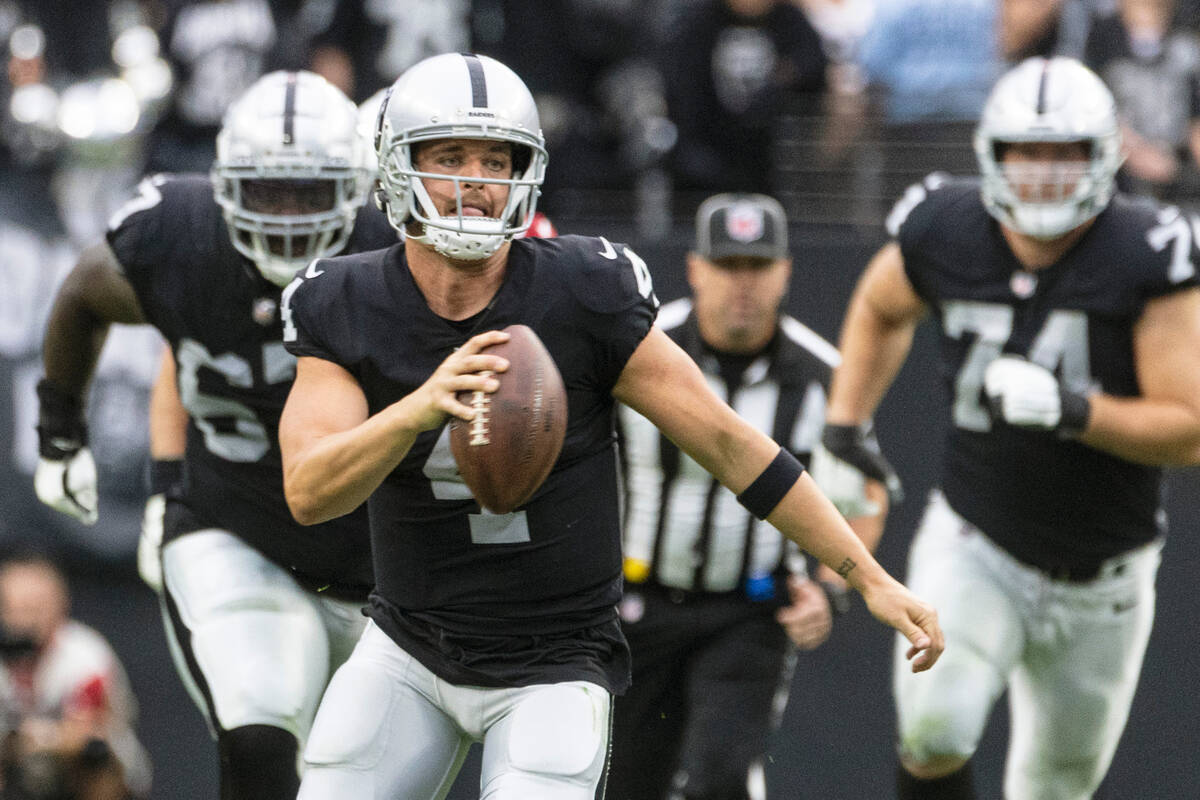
(462, 96)
(1049, 100)
(291, 172)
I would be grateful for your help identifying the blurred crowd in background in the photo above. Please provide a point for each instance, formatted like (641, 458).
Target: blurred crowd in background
(648, 106)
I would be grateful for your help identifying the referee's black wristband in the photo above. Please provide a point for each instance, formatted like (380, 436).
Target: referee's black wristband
(761, 497)
(164, 475)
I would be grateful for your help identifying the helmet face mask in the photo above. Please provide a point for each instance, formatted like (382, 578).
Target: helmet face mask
(456, 96)
(290, 172)
(1053, 113)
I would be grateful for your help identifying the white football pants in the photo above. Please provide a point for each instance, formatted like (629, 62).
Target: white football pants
(1069, 654)
(389, 729)
(251, 645)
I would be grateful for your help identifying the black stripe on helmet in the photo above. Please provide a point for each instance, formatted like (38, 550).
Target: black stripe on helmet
(1042, 90)
(479, 98)
(289, 110)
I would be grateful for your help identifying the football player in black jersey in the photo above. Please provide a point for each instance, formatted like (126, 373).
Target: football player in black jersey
(258, 608)
(499, 628)
(712, 595)
(1070, 341)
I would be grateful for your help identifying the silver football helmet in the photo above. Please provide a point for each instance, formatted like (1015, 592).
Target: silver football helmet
(458, 96)
(368, 119)
(1049, 100)
(291, 172)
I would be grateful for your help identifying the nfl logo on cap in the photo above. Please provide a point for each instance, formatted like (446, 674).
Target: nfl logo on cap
(744, 222)
(741, 225)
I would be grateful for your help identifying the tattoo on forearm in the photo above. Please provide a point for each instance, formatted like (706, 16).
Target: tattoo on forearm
(845, 567)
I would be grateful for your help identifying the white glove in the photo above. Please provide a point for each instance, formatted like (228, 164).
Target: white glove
(1028, 395)
(150, 542)
(69, 485)
(844, 484)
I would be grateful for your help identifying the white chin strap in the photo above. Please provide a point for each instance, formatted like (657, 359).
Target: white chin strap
(465, 245)
(459, 238)
(279, 271)
(1047, 221)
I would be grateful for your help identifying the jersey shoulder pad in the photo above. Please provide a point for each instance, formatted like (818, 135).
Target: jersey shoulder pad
(922, 204)
(605, 277)
(166, 210)
(1157, 243)
(313, 306)
(372, 231)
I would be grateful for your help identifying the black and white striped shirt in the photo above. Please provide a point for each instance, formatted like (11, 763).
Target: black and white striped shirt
(684, 530)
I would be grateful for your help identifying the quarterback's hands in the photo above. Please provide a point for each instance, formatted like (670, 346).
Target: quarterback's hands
(464, 370)
(809, 618)
(65, 478)
(858, 450)
(893, 604)
(844, 484)
(1028, 395)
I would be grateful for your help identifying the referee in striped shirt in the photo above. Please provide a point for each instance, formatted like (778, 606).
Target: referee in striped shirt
(716, 601)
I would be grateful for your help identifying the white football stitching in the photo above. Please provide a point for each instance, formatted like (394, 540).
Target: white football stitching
(481, 402)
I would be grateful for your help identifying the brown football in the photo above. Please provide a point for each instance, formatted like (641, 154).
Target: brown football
(507, 451)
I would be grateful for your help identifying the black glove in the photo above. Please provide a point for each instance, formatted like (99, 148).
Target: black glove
(860, 449)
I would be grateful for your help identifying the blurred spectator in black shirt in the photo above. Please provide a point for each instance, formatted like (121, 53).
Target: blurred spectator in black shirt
(591, 67)
(1152, 66)
(728, 70)
(217, 48)
(370, 42)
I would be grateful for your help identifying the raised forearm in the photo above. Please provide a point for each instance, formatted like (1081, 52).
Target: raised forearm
(335, 473)
(74, 338)
(168, 418)
(876, 336)
(1145, 431)
(806, 517)
(873, 350)
(92, 296)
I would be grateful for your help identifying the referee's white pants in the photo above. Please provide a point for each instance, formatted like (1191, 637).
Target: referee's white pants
(1069, 654)
(389, 729)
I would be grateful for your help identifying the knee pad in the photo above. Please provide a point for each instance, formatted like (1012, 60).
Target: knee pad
(940, 730)
(239, 618)
(560, 731)
(258, 762)
(359, 737)
(944, 712)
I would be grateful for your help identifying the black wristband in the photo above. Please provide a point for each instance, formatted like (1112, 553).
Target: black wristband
(164, 475)
(61, 429)
(761, 496)
(1075, 411)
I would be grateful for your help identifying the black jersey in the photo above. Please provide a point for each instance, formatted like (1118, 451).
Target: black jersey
(221, 319)
(1050, 501)
(480, 598)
